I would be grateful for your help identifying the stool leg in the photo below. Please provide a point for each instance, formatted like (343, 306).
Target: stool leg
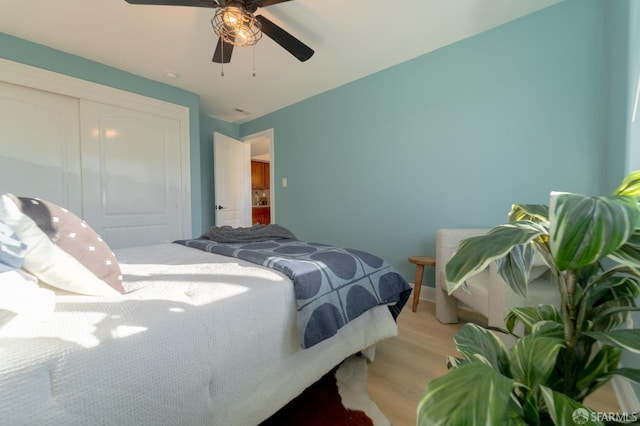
(416, 286)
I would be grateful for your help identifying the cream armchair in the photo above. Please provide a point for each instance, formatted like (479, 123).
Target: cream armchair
(489, 295)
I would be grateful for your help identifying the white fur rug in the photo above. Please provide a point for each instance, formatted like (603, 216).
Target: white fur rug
(351, 377)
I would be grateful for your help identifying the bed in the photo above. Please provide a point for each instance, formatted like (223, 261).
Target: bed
(191, 338)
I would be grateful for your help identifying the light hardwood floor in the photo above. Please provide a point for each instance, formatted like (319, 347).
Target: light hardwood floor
(404, 364)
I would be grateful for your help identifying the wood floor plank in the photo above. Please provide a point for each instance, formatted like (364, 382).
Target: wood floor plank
(404, 364)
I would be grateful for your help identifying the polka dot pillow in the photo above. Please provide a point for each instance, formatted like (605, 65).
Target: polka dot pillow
(62, 250)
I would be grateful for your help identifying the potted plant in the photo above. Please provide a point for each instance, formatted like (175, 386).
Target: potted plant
(592, 247)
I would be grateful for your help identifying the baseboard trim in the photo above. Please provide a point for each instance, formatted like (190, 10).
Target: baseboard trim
(428, 293)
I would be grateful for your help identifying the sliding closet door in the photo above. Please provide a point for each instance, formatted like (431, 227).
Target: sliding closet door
(131, 163)
(40, 145)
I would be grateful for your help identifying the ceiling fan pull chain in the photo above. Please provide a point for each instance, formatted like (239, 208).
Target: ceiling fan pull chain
(253, 50)
(222, 61)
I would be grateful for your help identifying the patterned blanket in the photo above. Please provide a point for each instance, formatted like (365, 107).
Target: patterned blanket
(332, 285)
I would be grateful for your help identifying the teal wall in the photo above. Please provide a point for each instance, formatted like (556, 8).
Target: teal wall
(626, 62)
(22, 51)
(620, 95)
(449, 139)
(633, 162)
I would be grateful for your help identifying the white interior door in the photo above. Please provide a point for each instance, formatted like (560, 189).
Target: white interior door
(40, 146)
(232, 174)
(131, 164)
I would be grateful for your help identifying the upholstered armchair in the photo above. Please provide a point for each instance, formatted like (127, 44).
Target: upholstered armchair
(489, 295)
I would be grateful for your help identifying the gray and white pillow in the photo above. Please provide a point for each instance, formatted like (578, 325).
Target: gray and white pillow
(62, 250)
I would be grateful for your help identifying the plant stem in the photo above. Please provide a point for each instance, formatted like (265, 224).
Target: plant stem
(571, 331)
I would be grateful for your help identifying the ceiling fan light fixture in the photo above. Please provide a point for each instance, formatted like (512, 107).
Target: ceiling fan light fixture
(236, 26)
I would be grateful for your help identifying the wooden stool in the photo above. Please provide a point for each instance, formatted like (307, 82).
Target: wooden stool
(420, 262)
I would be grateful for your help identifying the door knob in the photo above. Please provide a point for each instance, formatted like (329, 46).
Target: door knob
(219, 207)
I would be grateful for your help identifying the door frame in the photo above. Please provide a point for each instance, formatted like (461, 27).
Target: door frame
(269, 134)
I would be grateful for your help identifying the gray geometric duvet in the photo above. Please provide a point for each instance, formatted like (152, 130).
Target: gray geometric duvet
(332, 285)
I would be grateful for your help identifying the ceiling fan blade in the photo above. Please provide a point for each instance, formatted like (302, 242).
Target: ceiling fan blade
(284, 39)
(195, 3)
(265, 3)
(223, 52)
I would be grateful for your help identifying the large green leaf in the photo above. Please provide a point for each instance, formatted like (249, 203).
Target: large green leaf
(533, 358)
(629, 252)
(564, 411)
(474, 254)
(585, 229)
(473, 339)
(528, 316)
(623, 339)
(549, 329)
(610, 297)
(598, 370)
(514, 268)
(472, 394)
(630, 185)
(613, 313)
(632, 374)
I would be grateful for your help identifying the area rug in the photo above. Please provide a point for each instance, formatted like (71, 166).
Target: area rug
(339, 398)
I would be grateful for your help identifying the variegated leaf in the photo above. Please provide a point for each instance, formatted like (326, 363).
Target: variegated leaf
(598, 369)
(527, 366)
(473, 339)
(618, 282)
(586, 229)
(630, 185)
(514, 268)
(629, 252)
(533, 212)
(529, 316)
(611, 309)
(623, 339)
(474, 254)
(564, 411)
(471, 394)
(632, 374)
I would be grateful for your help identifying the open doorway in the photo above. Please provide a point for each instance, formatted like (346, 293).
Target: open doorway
(262, 172)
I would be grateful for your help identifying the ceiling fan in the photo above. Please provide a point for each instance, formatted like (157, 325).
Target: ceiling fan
(236, 24)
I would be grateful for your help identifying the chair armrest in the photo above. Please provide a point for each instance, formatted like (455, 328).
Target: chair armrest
(447, 241)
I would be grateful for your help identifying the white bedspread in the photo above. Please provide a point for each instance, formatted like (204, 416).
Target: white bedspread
(199, 339)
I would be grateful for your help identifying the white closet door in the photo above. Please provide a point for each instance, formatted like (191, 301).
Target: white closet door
(131, 164)
(40, 146)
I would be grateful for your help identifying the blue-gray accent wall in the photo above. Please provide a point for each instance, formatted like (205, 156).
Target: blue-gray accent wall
(449, 139)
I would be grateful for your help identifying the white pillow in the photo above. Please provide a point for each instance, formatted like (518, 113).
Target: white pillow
(11, 249)
(21, 296)
(47, 261)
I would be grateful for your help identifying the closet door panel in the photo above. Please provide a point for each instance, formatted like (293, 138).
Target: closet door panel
(131, 175)
(40, 145)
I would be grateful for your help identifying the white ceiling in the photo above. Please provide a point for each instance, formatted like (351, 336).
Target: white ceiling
(351, 39)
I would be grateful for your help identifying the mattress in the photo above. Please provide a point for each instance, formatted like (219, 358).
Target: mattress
(198, 339)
